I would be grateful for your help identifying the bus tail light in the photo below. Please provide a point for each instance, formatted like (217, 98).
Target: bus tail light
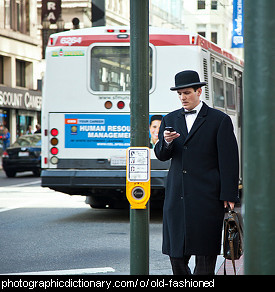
(193, 40)
(123, 34)
(108, 104)
(52, 41)
(54, 150)
(54, 141)
(54, 132)
(121, 104)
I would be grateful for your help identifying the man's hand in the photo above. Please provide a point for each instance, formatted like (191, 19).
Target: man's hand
(170, 136)
(231, 204)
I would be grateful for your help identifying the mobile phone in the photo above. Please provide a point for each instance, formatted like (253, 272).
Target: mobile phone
(170, 129)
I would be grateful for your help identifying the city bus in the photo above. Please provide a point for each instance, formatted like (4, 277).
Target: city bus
(86, 105)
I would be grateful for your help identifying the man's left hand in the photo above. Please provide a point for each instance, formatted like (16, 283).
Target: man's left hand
(231, 204)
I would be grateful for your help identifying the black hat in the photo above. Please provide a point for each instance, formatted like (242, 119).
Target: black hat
(187, 78)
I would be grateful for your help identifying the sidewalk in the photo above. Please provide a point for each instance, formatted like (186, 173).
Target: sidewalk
(239, 264)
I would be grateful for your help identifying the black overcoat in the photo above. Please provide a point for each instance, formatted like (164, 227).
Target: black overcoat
(204, 172)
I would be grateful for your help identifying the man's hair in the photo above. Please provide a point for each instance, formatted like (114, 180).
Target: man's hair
(196, 87)
(155, 117)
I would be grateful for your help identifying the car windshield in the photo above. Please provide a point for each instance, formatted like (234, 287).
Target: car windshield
(28, 141)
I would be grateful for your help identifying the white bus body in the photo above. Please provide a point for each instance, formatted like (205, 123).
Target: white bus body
(86, 101)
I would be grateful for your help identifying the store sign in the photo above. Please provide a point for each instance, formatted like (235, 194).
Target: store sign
(20, 99)
(51, 10)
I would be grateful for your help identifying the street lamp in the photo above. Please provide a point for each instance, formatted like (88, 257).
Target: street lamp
(60, 23)
(45, 34)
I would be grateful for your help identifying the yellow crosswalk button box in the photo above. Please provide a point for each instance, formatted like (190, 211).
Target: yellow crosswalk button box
(138, 176)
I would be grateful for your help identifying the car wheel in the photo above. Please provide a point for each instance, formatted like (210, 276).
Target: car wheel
(10, 173)
(36, 172)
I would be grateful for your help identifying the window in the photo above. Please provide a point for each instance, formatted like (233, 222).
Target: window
(201, 29)
(7, 14)
(218, 68)
(230, 98)
(218, 92)
(214, 37)
(229, 72)
(16, 13)
(201, 4)
(110, 68)
(223, 82)
(214, 4)
(20, 73)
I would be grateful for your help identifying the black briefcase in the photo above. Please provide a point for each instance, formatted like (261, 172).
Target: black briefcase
(233, 238)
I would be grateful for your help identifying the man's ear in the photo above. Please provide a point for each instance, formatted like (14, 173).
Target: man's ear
(199, 91)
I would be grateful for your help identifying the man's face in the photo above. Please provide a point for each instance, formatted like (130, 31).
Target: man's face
(154, 130)
(189, 98)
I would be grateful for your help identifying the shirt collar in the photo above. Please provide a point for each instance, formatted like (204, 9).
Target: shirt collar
(197, 108)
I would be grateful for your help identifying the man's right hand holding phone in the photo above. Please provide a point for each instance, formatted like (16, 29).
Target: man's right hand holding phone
(170, 134)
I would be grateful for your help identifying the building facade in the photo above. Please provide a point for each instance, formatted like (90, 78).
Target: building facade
(211, 19)
(166, 13)
(20, 57)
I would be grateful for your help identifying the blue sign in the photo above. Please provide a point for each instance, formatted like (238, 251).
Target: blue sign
(104, 131)
(97, 131)
(238, 24)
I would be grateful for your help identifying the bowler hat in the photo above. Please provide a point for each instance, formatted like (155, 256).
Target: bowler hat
(187, 78)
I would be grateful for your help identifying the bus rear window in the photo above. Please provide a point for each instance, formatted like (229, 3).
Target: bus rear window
(110, 68)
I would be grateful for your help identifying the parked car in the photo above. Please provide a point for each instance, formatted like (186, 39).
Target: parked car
(23, 155)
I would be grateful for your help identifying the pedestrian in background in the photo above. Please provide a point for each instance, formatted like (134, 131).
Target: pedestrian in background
(202, 179)
(38, 129)
(29, 131)
(6, 139)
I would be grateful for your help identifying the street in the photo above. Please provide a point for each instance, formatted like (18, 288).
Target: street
(46, 231)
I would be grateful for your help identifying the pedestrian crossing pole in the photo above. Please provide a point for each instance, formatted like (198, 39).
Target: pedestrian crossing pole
(259, 137)
(139, 106)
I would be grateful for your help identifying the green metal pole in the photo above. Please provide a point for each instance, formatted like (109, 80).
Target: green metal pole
(259, 137)
(139, 51)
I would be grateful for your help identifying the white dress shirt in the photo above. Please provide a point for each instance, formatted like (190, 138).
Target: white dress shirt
(190, 119)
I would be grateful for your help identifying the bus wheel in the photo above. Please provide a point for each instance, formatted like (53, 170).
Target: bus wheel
(96, 203)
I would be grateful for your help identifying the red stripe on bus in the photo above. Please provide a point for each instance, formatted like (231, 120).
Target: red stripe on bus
(155, 39)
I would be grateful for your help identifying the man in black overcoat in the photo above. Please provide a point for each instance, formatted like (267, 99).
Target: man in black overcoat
(202, 180)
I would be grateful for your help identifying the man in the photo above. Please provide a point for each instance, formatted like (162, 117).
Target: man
(38, 129)
(202, 179)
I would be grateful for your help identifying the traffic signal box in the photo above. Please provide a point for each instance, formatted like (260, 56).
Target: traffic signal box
(138, 177)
